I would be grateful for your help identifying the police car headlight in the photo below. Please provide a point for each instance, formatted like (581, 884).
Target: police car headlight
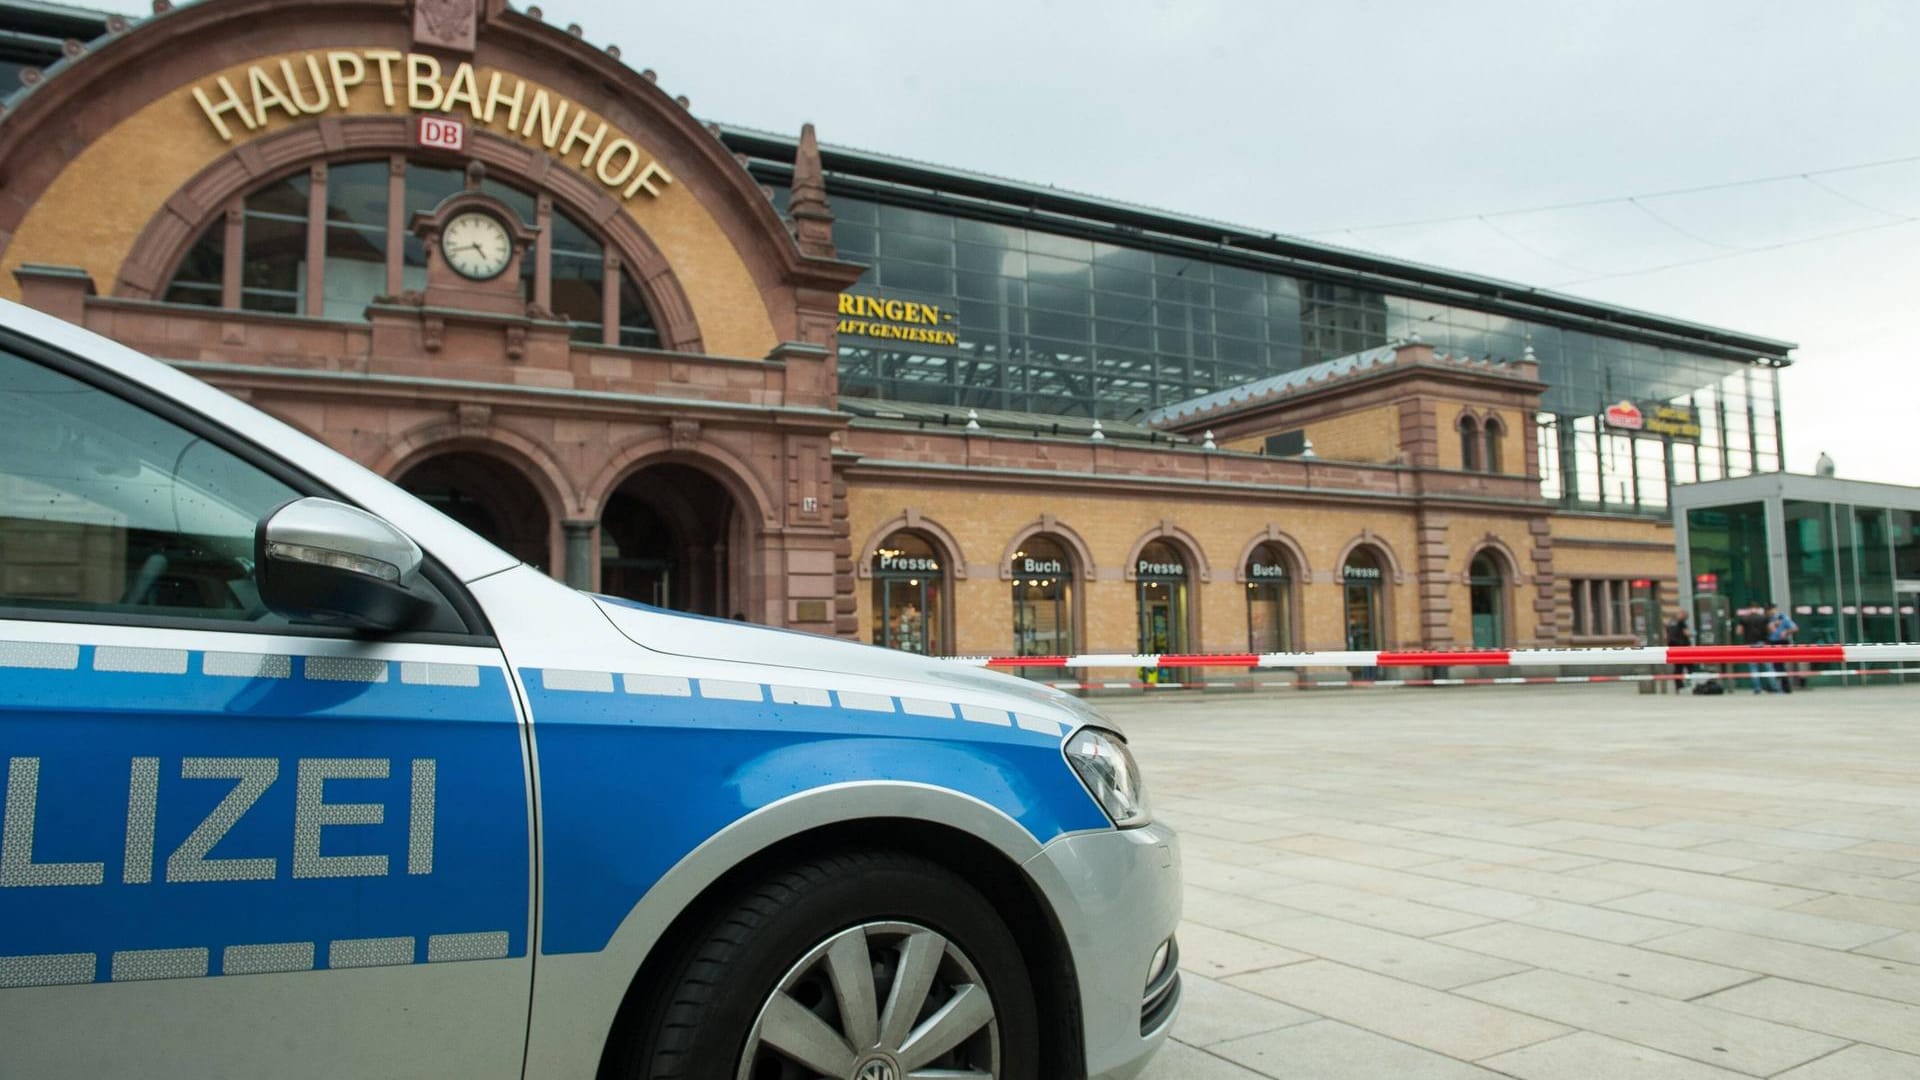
(1112, 777)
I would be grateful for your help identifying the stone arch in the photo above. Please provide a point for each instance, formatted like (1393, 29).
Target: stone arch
(913, 520)
(1181, 538)
(167, 237)
(1509, 562)
(1082, 555)
(726, 467)
(1272, 535)
(1368, 538)
(518, 452)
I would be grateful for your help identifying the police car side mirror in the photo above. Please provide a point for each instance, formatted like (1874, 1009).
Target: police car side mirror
(321, 561)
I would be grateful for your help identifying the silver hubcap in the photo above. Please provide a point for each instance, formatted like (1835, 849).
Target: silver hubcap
(883, 1001)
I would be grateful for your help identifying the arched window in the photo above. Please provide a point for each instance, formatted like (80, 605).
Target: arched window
(909, 594)
(1469, 443)
(1043, 573)
(358, 215)
(1487, 597)
(1362, 581)
(1496, 431)
(1270, 576)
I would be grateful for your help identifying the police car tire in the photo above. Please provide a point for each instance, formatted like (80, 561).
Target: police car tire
(703, 1011)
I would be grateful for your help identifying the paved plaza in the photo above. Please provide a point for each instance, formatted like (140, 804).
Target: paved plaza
(1556, 883)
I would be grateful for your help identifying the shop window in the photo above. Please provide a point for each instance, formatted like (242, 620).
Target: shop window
(909, 594)
(1469, 443)
(1496, 431)
(362, 256)
(1602, 607)
(1362, 581)
(1487, 597)
(1043, 573)
(1162, 585)
(1270, 575)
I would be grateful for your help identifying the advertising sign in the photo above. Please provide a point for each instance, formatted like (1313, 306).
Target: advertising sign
(1626, 416)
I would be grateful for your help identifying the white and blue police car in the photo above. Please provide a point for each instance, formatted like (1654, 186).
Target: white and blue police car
(303, 779)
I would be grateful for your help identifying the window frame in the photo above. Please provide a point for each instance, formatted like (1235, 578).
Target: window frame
(464, 608)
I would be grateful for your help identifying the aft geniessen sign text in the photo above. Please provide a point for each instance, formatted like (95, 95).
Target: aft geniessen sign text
(317, 82)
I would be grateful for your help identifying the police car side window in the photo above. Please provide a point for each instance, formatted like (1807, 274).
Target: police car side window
(105, 507)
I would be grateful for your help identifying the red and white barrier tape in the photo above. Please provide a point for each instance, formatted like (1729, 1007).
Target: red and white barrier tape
(1740, 680)
(1663, 655)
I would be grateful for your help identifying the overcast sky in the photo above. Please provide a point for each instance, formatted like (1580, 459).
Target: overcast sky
(1318, 118)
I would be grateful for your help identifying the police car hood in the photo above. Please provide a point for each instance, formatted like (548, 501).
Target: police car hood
(707, 638)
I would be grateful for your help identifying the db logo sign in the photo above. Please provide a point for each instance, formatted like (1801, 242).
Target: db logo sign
(440, 133)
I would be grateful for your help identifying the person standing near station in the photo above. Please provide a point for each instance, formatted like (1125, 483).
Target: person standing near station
(1780, 631)
(1754, 622)
(1679, 636)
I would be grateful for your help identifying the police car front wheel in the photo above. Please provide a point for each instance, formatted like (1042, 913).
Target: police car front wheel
(862, 966)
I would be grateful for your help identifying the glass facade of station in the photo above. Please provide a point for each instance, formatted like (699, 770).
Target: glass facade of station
(1045, 322)
(1842, 558)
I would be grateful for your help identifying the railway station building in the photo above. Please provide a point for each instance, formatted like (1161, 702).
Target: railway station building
(749, 375)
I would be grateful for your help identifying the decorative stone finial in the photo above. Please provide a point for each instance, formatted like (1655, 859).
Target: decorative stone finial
(536, 14)
(1413, 337)
(161, 7)
(973, 419)
(1306, 448)
(683, 102)
(116, 24)
(650, 75)
(1207, 442)
(812, 218)
(576, 30)
(476, 175)
(1098, 431)
(613, 51)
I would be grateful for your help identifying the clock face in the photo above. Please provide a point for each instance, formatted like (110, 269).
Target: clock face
(476, 245)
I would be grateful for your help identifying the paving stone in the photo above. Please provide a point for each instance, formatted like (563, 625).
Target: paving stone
(1787, 925)
(1654, 856)
(1902, 891)
(1846, 861)
(1385, 953)
(1230, 911)
(1371, 879)
(1329, 1050)
(1217, 953)
(1780, 838)
(1624, 965)
(1579, 890)
(1211, 1011)
(1178, 1061)
(1858, 1063)
(1650, 837)
(1863, 909)
(1888, 849)
(1460, 847)
(1586, 1056)
(1904, 947)
(1225, 877)
(1824, 1009)
(1432, 1019)
(1713, 1036)
(1584, 920)
(1824, 967)
(1767, 892)
(1353, 851)
(1372, 909)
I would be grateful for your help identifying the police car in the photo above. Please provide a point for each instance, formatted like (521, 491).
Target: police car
(303, 779)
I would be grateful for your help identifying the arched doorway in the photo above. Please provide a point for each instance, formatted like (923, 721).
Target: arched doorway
(1486, 593)
(1043, 616)
(909, 594)
(1270, 576)
(1363, 579)
(1162, 582)
(672, 536)
(488, 496)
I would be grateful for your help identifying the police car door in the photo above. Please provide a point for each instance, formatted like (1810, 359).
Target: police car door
(232, 846)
